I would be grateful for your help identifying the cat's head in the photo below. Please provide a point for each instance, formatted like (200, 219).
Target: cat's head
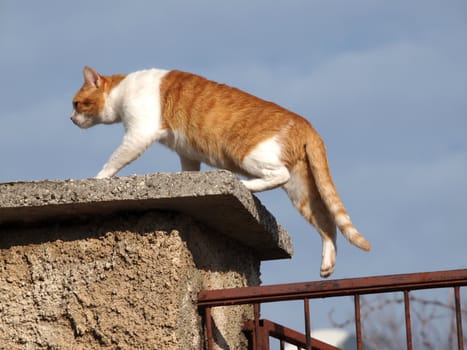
(89, 101)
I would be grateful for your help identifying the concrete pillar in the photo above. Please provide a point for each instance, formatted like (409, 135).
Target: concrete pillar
(118, 263)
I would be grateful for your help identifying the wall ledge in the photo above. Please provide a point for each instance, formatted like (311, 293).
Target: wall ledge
(215, 198)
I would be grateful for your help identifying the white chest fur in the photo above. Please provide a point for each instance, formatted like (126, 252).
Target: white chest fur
(137, 100)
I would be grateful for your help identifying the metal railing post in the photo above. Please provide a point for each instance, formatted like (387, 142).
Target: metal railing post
(408, 325)
(209, 334)
(460, 336)
(358, 324)
(306, 307)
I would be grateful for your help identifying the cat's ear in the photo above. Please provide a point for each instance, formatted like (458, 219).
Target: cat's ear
(91, 76)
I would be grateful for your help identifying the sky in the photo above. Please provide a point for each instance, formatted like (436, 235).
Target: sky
(384, 83)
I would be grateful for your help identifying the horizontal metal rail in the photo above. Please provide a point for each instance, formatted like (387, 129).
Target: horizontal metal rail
(332, 288)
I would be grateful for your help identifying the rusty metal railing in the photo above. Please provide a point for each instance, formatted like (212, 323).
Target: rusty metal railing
(261, 330)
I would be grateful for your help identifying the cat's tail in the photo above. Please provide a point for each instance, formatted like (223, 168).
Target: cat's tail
(317, 160)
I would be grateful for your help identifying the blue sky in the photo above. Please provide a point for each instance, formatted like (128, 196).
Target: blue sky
(384, 82)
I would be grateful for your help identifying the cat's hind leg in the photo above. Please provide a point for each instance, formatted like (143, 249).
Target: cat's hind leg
(189, 164)
(264, 167)
(270, 178)
(304, 194)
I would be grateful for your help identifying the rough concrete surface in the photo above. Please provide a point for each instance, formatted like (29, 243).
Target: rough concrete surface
(128, 282)
(118, 263)
(216, 198)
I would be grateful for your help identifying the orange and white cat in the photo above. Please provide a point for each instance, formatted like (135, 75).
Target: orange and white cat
(222, 126)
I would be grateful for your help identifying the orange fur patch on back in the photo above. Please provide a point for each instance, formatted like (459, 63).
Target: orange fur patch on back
(221, 120)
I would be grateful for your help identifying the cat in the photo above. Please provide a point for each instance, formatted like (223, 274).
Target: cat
(227, 128)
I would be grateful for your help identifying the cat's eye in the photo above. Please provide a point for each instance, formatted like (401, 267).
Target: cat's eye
(84, 104)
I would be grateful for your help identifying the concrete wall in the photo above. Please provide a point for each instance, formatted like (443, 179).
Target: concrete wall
(80, 270)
